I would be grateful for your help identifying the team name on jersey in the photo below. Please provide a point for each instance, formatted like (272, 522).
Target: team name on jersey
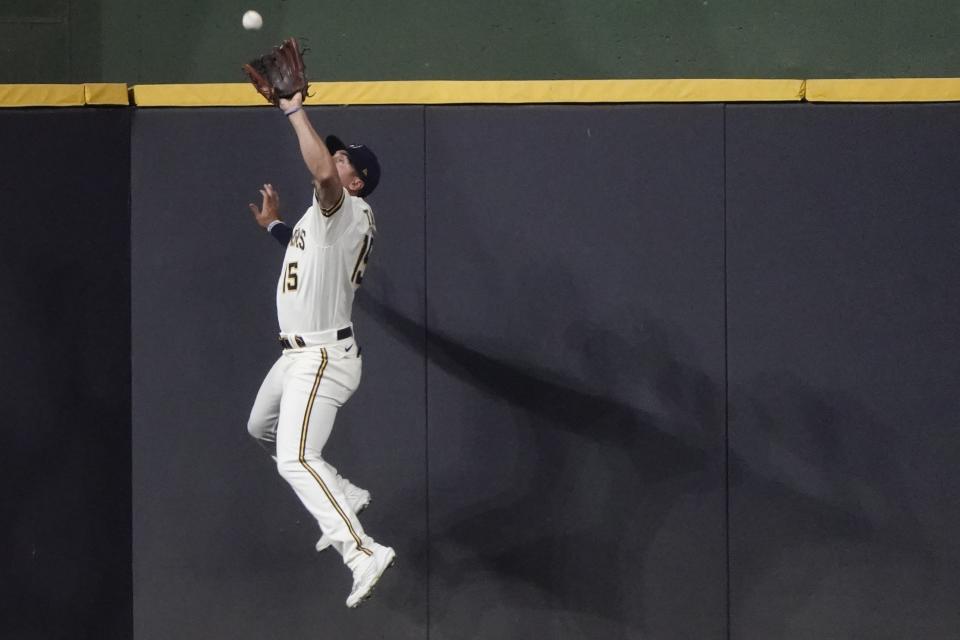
(299, 238)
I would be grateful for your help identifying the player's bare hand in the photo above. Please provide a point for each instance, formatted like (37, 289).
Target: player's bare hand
(269, 209)
(291, 103)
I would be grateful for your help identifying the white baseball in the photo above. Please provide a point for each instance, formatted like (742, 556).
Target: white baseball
(252, 20)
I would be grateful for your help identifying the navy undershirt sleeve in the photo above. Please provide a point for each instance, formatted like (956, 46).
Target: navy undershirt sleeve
(282, 233)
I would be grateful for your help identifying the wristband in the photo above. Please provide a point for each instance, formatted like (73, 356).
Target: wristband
(291, 112)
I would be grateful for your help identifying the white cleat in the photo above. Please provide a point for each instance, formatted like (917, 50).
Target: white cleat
(358, 500)
(366, 576)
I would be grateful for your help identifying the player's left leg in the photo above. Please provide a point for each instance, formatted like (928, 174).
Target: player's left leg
(356, 495)
(357, 498)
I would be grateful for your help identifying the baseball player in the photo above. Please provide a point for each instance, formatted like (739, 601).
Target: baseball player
(319, 368)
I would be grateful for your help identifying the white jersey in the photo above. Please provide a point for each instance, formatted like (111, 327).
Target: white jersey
(324, 265)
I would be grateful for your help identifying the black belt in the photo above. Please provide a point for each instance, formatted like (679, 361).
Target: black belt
(299, 342)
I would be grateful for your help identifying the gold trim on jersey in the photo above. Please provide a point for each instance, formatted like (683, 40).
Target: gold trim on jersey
(303, 460)
(332, 210)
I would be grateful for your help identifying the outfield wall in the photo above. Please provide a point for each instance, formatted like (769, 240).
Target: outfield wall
(631, 371)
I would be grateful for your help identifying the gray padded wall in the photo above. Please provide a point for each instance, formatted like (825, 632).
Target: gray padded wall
(575, 372)
(65, 374)
(222, 547)
(542, 415)
(843, 347)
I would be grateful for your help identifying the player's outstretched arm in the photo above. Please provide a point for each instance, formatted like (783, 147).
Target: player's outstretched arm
(315, 153)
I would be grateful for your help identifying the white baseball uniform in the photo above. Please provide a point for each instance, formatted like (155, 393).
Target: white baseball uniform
(320, 367)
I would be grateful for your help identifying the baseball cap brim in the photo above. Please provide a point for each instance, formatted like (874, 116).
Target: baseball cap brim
(335, 144)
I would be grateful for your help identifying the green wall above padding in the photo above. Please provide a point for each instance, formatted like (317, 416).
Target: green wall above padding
(136, 41)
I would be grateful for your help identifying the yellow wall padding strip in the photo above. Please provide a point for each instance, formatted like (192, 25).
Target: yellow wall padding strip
(494, 92)
(105, 93)
(884, 90)
(41, 95)
(62, 95)
(474, 92)
(196, 95)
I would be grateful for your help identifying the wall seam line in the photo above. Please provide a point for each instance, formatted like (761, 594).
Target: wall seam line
(726, 392)
(426, 349)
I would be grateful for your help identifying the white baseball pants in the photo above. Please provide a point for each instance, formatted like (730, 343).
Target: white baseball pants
(292, 418)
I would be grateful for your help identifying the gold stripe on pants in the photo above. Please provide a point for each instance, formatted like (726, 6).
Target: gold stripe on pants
(306, 465)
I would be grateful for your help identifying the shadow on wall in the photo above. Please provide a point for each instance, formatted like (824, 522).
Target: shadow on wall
(802, 483)
(573, 560)
(818, 472)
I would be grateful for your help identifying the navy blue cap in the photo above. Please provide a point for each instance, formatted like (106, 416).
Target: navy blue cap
(362, 159)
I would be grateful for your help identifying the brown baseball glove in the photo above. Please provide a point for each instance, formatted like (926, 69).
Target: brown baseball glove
(279, 74)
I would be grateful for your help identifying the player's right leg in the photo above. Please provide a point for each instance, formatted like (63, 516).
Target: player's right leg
(262, 423)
